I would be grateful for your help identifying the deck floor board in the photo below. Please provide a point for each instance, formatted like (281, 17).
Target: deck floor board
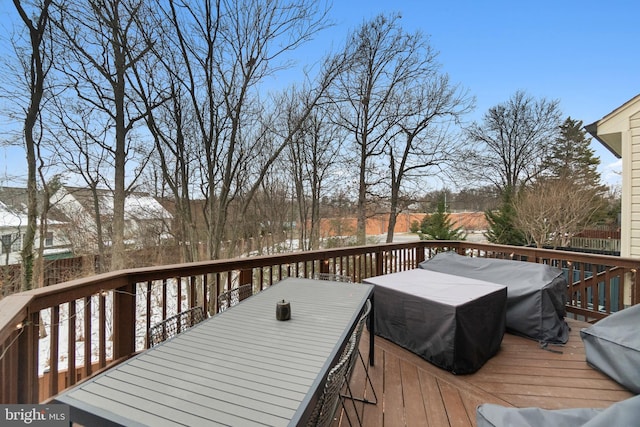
(413, 392)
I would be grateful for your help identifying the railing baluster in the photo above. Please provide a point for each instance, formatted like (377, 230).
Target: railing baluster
(583, 286)
(71, 344)
(205, 293)
(54, 327)
(87, 337)
(178, 294)
(607, 289)
(595, 294)
(192, 292)
(102, 330)
(148, 310)
(178, 282)
(618, 275)
(164, 299)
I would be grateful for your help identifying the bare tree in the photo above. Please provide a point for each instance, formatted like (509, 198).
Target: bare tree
(101, 42)
(37, 70)
(226, 51)
(176, 157)
(83, 146)
(382, 58)
(512, 141)
(188, 125)
(171, 114)
(552, 210)
(312, 157)
(426, 110)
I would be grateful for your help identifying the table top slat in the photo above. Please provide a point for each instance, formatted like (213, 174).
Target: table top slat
(221, 391)
(286, 391)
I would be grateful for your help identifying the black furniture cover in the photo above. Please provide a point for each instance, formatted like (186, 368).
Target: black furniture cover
(536, 293)
(454, 322)
(612, 345)
(625, 413)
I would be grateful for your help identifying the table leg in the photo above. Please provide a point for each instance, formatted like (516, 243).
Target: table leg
(372, 333)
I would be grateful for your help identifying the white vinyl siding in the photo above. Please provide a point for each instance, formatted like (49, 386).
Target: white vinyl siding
(634, 173)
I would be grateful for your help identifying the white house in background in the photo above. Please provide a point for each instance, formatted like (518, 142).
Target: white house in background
(13, 224)
(619, 131)
(147, 222)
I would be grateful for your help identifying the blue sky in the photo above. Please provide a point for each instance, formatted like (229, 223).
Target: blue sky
(584, 53)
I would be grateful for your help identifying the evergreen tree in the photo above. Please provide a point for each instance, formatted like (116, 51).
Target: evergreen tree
(438, 226)
(502, 229)
(571, 157)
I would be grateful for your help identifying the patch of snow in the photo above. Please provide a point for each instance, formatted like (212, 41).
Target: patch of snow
(94, 335)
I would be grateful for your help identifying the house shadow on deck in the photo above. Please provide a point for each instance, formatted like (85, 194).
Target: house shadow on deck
(413, 392)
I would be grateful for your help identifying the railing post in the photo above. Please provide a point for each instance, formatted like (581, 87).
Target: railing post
(460, 250)
(379, 262)
(246, 277)
(324, 266)
(419, 254)
(124, 321)
(28, 360)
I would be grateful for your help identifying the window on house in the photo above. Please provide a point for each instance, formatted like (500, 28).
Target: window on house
(48, 241)
(6, 243)
(17, 242)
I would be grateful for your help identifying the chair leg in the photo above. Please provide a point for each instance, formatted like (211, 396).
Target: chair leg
(346, 414)
(349, 394)
(373, 390)
(369, 382)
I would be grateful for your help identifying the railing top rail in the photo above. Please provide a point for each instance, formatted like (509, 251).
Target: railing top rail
(554, 254)
(14, 308)
(40, 298)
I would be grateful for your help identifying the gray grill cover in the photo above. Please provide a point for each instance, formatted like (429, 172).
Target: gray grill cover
(612, 345)
(625, 413)
(536, 293)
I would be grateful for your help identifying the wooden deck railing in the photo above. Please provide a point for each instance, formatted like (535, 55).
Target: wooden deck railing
(103, 319)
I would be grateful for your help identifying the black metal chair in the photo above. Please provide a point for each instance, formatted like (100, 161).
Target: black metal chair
(173, 325)
(234, 296)
(324, 412)
(356, 354)
(355, 337)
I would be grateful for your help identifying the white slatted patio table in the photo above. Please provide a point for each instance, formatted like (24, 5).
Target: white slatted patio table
(241, 367)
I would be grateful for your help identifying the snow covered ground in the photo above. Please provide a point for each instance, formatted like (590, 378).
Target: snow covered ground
(81, 335)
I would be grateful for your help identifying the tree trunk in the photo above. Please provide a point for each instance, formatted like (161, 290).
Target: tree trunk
(118, 249)
(361, 227)
(36, 86)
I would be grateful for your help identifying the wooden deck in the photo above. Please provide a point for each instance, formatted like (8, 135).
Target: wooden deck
(413, 392)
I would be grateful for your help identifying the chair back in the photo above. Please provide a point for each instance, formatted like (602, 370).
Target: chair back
(325, 409)
(334, 277)
(357, 334)
(173, 325)
(234, 296)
